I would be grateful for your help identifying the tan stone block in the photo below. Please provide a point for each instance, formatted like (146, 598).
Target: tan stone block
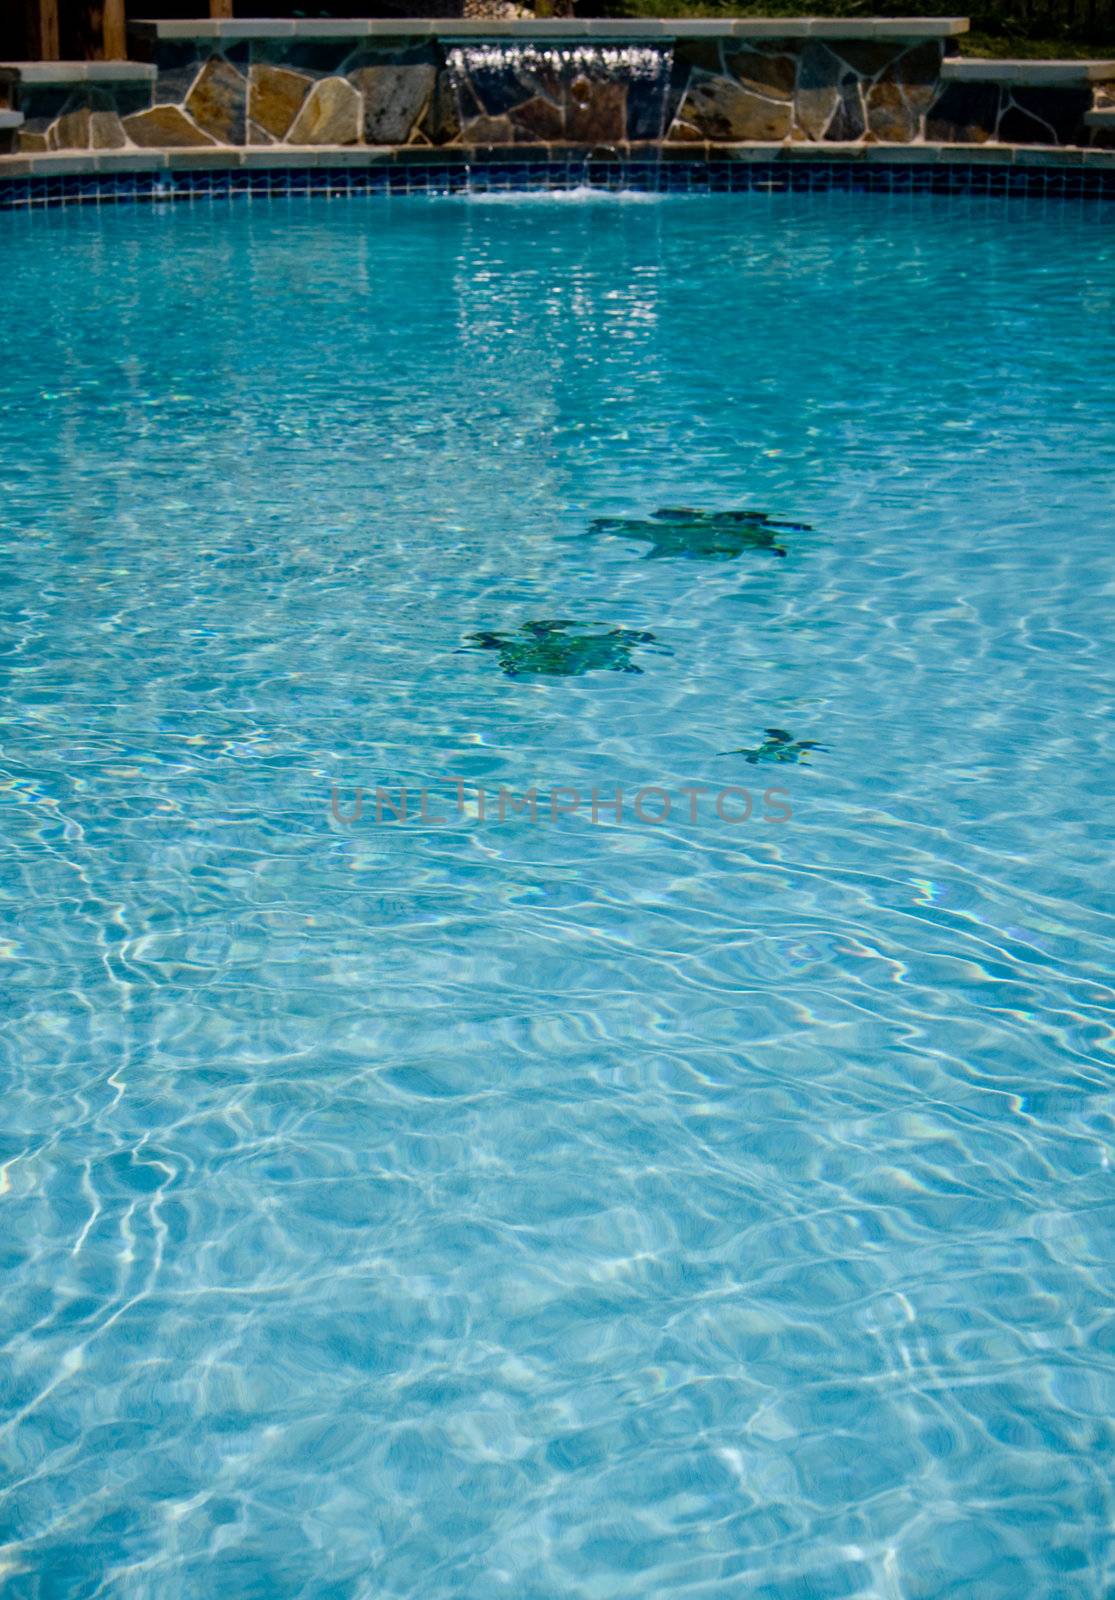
(106, 131)
(70, 131)
(331, 114)
(721, 109)
(167, 126)
(275, 97)
(216, 101)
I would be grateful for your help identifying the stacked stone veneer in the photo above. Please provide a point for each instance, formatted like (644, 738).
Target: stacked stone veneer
(423, 91)
(976, 113)
(813, 90)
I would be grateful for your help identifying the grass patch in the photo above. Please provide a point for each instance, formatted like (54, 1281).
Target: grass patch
(1025, 49)
(1032, 29)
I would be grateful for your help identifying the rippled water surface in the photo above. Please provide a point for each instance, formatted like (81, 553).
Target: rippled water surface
(623, 1211)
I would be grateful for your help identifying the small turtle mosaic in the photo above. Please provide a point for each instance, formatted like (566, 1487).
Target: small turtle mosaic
(548, 648)
(692, 535)
(777, 746)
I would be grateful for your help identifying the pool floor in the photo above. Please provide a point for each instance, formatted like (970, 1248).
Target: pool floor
(557, 1203)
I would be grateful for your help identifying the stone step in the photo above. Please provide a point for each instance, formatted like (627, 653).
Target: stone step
(73, 103)
(63, 74)
(1027, 74)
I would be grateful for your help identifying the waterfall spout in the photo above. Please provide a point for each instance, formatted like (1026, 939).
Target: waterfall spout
(584, 93)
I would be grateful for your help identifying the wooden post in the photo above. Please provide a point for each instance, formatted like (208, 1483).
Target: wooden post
(44, 30)
(115, 31)
(102, 30)
(220, 10)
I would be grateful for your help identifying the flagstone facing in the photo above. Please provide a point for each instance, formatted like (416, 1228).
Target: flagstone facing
(276, 84)
(275, 97)
(330, 114)
(217, 101)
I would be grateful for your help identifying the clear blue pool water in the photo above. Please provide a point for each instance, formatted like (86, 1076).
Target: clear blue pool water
(616, 1211)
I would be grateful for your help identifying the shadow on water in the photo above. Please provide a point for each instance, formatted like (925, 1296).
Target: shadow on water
(548, 648)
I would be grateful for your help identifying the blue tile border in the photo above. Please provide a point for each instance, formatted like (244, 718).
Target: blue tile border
(494, 176)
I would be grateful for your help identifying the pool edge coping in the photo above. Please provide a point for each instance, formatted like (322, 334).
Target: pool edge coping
(589, 29)
(227, 158)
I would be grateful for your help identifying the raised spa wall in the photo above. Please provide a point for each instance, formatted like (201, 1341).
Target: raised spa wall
(213, 84)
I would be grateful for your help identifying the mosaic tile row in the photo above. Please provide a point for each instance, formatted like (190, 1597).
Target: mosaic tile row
(674, 177)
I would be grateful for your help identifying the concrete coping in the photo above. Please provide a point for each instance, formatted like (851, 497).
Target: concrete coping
(588, 29)
(1036, 74)
(288, 157)
(51, 72)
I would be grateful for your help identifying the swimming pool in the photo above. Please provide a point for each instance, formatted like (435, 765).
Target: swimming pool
(555, 1206)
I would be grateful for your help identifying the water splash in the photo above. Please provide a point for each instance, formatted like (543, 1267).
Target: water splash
(648, 63)
(573, 193)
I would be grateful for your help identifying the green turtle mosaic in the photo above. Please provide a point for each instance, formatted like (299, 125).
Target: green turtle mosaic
(777, 746)
(549, 649)
(690, 535)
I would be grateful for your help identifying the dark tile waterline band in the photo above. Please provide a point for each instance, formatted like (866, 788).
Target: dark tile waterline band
(499, 174)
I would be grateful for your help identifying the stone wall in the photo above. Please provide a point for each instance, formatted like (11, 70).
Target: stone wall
(79, 116)
(813, 90)
(433, 91)
(976, 113)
